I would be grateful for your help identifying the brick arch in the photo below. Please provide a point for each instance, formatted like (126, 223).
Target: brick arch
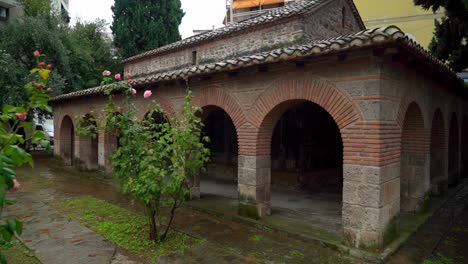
(404, 106)
(270, 106)
(438, 153)
(454, 149)
(66, 138)
(414, 180)
(414, 134)
(88, 149)
(166, 106)
(464, 144)
(219, 98)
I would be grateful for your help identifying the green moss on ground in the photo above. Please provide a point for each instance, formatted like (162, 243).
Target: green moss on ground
(16, 253)
(125, 229)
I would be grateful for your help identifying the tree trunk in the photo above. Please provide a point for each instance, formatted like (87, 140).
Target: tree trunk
(153, 235)
(174, 207)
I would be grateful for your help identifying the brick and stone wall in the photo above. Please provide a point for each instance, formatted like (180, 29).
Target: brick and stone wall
(334, 19)
(371, 99)
(229, 46)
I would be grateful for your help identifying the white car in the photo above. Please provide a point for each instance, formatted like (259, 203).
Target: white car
(49, 129)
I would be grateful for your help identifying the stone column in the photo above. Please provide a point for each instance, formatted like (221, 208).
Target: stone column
(77, 151)
(254, 178)
(107, 145)
(415, 182)
(102, 145)
(195, 187)
(439, 171)
(371, 204)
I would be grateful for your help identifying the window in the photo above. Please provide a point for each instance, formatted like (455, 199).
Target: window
(194, 57)
(343, 17)
(3, 13)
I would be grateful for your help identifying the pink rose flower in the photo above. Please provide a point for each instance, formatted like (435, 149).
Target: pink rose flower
(130, 81)
(147, 94)
(117, 76)
(106, 73)
(37, 53)
(16, 186)
(133, 91)
(21, 116)
(128, 75)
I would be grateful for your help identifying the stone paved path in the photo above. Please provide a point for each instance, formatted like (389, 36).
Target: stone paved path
(56, 239)
(426, 240)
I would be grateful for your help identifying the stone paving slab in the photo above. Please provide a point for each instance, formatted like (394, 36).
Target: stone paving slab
(56, 239)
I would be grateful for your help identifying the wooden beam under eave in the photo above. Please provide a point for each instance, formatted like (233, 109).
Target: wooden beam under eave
(263, 68)
(232, 73)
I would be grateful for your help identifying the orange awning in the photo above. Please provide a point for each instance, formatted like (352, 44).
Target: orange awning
(237, 4)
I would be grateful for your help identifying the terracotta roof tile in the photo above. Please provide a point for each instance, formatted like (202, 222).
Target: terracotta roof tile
(362, 39)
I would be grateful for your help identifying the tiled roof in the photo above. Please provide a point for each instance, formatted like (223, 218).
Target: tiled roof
(290, 10)
(362, 39)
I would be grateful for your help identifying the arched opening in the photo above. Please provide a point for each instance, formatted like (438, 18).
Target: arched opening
(67, 140)
(438, 165)
(464, 157)
(221, 174)
(111, 141)
(89, 146)
(454, 152)
(306, 163)
(414, 182)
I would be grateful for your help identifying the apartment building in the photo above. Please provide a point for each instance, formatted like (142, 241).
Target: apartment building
(10, 9)
(240, 10)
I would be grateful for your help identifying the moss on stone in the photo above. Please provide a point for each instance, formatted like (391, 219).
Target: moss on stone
(248, 210)
(391, 231)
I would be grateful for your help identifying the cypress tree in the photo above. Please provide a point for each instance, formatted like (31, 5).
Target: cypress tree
(450, 41)
(142, 25)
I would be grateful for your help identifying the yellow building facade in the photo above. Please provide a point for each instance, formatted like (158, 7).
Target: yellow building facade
(413, 20)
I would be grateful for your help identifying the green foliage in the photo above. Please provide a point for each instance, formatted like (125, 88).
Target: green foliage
(141, 25)
(16, 252)
(439, 259)
(126, 229)
(34, 8)
(450, 41)
(13, 119)
(79, 53)
(296, 253)
(256, 238)
(12, 78)
(157, 157)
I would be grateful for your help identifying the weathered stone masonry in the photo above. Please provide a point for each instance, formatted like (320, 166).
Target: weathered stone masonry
(392, 102)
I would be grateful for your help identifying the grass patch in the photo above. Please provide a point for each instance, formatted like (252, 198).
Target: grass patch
(17, 253)
(126, 229)
(439, 259)
(256, 238)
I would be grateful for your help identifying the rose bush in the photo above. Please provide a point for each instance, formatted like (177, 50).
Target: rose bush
(156, 157)
(14, 119)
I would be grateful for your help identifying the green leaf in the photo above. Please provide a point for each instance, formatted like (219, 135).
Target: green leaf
(5, 232)
(9, 202)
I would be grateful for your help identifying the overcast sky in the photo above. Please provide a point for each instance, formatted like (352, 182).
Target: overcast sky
(202, 14)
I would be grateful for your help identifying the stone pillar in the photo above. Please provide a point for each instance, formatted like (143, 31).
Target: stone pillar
(102, 145)
(371, 204)
(195, 187)
(254, 177)
(107, 146)
(415, 182)
(77, 151)
(439, 171)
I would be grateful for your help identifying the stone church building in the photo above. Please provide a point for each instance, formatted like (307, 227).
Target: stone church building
(304, 98)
